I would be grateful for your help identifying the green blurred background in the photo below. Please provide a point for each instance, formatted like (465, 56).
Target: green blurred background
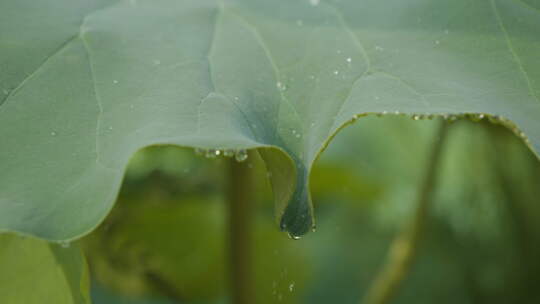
(166, 239)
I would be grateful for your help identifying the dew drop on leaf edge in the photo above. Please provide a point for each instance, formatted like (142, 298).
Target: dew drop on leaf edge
(241, 155)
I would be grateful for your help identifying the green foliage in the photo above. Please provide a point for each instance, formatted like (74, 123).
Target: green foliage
(34, 271)
(485, 253)
(86, 84)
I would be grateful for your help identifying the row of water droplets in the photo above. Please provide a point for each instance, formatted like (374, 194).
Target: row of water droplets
(475, 117)
(239, 155)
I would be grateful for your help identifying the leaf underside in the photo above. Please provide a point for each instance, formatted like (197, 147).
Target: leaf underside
(85, 84)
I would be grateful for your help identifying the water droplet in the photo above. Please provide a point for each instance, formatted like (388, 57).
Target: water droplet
(494, 119)
(241, 155)
(396, 112)
(336, 72)
(64, 244)
(115, 81)
(236, 98)
(451, 118)
(314, 2)
(281, 86)
(416, 117)
(294, 237)
(378, 48)
(298, 135)
(110, 128)
(384, 112)
(299, 22)
(212, 153)
(53, 133)
(355, 116)
(476, 117)
(349, 60)
(291, 287)
(199, 151)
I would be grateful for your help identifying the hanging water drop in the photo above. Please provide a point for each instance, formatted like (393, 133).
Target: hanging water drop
(452, 118)
(199, 151)
(294, 237)
(291, 287)
(241, 155)
(212, 153)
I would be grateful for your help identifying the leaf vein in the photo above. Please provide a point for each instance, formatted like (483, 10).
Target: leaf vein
(515, 56)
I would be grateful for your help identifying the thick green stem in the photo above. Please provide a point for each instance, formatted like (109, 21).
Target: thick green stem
(240, 205)
(403, 249)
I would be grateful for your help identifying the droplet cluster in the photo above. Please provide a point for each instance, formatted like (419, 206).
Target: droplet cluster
(475, 117)
(239, 155)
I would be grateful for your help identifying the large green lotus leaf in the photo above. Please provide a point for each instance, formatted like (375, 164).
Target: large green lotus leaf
(88, 83)
(34, 271)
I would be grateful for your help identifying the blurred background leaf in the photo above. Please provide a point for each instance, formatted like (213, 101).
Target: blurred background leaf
(35, 271)
(166, 237)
